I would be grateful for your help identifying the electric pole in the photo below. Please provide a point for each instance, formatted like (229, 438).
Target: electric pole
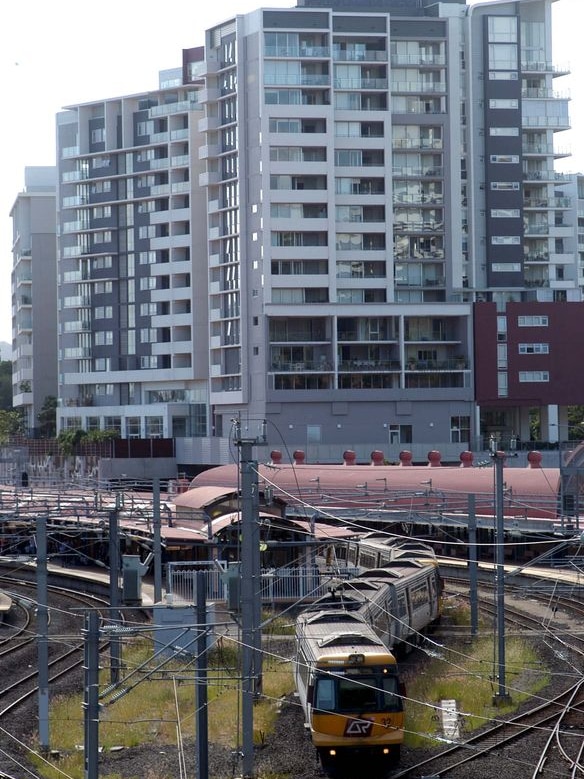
(499, 458)
(250, 593)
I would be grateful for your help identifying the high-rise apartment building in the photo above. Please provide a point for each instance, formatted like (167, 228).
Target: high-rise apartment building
(34, 295)
(133, 319)
(299, 226)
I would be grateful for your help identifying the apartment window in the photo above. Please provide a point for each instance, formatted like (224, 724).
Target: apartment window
(534, 377)
(505, 158)
(285, 126)
(144, 128)
(505, 186)
(505, 132)
(503, 75)
(104, 236)
(102, 212)
(504, 102)
(104, 389)
(541, 348)
(502, 29)
(104, 338)
(102, 364)
(133, 427)
(299, 239)
(309, 295)
(148, 282)
(503, 56)
(92, 424)
(506, 240)
(505, 213)
(400, 434)
(99, 187)
(146, 258)
(100, 162)
(102, 287)
(148, 309)
(502, 384)
(113, 423)
(533, 321)
(459, 429)
(102, 312)
(148, 335)
(154, 427)
(147, 231)
(502, 356)
(98, 135)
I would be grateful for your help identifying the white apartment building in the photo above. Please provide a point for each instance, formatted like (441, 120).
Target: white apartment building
(298, 225)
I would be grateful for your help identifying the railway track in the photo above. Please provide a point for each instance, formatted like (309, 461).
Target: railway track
(19, 679)
(559, 720)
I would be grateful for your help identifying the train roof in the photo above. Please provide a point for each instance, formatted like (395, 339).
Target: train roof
(328, 639)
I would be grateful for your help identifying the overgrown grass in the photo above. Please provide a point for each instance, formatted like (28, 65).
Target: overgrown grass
(150, 713)
(467, 674)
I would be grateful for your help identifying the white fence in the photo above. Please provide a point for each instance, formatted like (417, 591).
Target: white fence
(277, 585)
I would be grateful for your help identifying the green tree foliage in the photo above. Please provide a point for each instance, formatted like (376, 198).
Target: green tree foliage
(69, 440)
(47, 417)
(11, 423)
(5, 385)
(576, 423)
(97, 436)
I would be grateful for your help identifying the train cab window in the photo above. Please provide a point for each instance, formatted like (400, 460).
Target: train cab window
(356, 697)
(391, 701)
(325, 695)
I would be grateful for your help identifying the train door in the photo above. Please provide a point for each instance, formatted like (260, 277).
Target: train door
(401, 625)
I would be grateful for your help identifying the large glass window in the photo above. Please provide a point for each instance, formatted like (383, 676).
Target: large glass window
(502, 29)
(503, 56)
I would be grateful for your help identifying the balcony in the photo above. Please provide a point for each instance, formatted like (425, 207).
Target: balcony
(297, 51)
(358, 54)
(420, 60)
(351, 366)
(454, 364)
(301, 366)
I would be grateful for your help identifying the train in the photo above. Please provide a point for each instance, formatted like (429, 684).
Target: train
(347, 645)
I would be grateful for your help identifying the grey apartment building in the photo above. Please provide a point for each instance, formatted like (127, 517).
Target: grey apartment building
(34, 291)
(299, 224)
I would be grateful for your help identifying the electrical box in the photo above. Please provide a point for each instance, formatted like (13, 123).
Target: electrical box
(131, 580)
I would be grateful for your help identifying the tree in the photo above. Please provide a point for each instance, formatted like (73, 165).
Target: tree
(97, 436)
(69, 440)
(47, 417)
(5, 385)
(11, 423)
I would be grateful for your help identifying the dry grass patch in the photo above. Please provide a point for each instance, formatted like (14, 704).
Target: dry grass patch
(151, 711)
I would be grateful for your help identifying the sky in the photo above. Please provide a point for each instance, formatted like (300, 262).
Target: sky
(48, 61)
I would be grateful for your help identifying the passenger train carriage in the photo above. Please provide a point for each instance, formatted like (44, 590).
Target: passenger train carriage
(345, 668)
(347, 682)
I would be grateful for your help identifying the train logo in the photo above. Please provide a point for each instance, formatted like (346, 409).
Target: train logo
(359, 727)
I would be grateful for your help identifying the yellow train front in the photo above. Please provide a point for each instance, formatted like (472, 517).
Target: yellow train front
(348, 685)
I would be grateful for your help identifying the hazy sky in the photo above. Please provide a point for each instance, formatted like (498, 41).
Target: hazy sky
(49, 59)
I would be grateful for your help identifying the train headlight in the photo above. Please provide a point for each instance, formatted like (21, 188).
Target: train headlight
(332, 752)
